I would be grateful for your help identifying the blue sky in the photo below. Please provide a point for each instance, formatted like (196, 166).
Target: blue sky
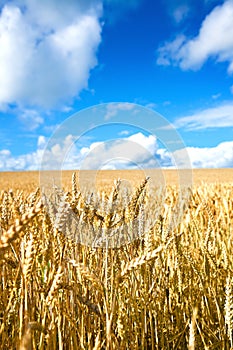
(174, 57)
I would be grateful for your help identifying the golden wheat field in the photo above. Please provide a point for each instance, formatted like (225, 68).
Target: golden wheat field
(118, 268)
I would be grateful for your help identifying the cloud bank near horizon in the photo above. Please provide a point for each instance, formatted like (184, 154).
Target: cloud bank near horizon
(143, 152)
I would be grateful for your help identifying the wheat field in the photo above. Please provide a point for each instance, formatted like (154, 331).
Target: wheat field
(168, 284)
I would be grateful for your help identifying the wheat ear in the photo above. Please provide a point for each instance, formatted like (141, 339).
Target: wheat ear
(15, 230)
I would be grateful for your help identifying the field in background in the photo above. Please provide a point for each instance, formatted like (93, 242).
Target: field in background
(169, 287)
(30, 180)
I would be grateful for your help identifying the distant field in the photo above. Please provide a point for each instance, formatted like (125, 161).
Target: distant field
(104, 179)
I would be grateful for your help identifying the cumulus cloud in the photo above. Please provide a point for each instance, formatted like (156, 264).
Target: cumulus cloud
(215, 39)
(42, 158)
(149, 142)
(220, 156)
(59, 153)
(215, 117)
(30, 161)
(47, 50)
(66, 155)
(134, 151)
(41, 143)
(143, 152)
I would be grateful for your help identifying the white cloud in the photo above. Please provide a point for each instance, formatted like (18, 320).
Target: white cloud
(114, 108)
(215, 39)
(85, 150)
(32, 161)
(5, 153)
(215, 117)
(165, 159)
(220, 156)
(118, 155)
(47, 50)
(28, 161)
(142, 152)
(31, 119)
(58, 152)
(136, 150)
(169, 53)
(41, 143)
(149, 142)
